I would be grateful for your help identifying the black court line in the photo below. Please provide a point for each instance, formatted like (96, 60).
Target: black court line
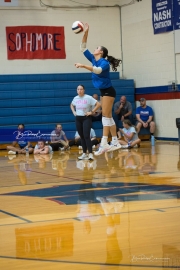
(69, 178)
(102, 215)
(88, 263)
(66, 178)
(13, 215)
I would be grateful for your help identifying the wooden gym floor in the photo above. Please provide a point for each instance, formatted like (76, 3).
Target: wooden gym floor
(121, 211)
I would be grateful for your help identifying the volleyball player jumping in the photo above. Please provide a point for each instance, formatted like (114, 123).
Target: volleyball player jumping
(101, 79)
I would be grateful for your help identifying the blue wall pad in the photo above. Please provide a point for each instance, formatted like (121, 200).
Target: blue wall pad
(41, 100)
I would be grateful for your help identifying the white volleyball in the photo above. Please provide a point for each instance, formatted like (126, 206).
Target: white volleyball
(77, 27)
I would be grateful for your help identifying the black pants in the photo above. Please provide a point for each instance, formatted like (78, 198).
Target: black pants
(97, 118)
(83, 126)
(78, 142)
(55, 146)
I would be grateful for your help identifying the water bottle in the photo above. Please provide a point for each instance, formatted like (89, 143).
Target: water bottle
(152, 140)
(27, 151)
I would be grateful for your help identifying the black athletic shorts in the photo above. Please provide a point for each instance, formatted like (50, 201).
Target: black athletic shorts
(110, 92)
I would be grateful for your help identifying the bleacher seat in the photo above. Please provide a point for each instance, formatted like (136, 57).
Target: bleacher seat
(42, 100)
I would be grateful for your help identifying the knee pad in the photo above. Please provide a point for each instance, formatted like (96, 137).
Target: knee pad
(112, 121)
(108, 122)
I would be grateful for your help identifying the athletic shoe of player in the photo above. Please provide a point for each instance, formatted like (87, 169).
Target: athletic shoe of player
(90, 156)
(84, 156)
(114, 147)
(102, 149)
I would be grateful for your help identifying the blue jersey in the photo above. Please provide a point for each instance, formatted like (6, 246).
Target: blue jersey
(102, 80)
(144, 113)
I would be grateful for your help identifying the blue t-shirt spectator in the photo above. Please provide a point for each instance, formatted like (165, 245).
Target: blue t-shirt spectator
(20, 138)
(144, 113)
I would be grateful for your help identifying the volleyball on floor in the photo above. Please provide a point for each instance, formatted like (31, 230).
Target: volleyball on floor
(77, 27)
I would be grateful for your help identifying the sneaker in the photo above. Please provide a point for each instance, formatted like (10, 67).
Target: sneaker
(90, 157)
(114, 147)
(83, 156)
(62, 149)
(11, 153)
(80, 147)
(103, 149)
(124, 146)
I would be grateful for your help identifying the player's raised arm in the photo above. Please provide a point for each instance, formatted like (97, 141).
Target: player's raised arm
(86, 30)
(84, 39)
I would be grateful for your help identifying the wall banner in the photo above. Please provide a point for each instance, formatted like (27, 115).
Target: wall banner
(35, 42)
(176, 11)
(162, 17)
(8, 3)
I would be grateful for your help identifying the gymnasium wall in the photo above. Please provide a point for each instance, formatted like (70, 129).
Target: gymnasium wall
(104, 30)
(149, 60)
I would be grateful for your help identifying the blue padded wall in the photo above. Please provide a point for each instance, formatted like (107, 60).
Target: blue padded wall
(42, 100)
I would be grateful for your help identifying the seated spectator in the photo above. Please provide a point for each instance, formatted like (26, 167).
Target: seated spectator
(42, 149)
(22, 142)
(130, 135)
(122, 110)
(57, 143)
(77, 139)
(144, 116)
(97, 116)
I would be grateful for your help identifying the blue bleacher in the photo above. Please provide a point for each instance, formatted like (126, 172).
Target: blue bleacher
(42, 100)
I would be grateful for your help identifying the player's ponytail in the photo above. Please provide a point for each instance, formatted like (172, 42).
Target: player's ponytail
(113, 61)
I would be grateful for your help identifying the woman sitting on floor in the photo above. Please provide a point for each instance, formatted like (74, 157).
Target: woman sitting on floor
(130, 135)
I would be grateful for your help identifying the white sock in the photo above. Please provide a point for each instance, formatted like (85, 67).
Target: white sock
(104, 140)
(114, 140)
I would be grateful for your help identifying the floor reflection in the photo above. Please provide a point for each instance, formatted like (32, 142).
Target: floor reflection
(59, 163)
(92, 213)
(171, 256)
(46, 241)
(22, 167)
